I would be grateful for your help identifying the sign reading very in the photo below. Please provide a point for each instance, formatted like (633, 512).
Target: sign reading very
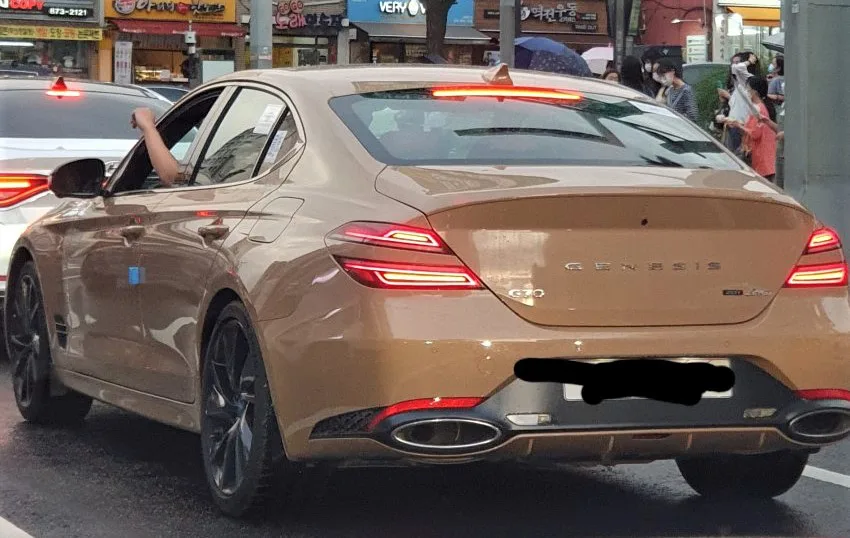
(218, 10)
(290, 16)
(406, 12)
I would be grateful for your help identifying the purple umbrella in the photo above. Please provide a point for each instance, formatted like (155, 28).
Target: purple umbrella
(544, 54)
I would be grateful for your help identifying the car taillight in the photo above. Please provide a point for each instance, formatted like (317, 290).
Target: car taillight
(60, 89)
(15, 188)
(391, 275)
(423, 405)
(384, 234)
(451, 274)
(817, 272)
(810, 276)
(823, 240)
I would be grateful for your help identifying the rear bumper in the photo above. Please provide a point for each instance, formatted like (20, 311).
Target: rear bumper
(379, 349)
(533, 420)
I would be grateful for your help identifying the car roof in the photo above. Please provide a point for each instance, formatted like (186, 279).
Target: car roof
(321, 82)
(42, 83)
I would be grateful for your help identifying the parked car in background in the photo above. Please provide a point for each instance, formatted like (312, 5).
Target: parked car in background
(172, 93)
(46, 123)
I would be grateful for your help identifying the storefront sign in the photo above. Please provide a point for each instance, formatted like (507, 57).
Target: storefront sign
(51, 32)
(69, 12)
(123, 60)
(181, 10)
(22, 5)
(579, 17)
(290, 16)
(407, 12)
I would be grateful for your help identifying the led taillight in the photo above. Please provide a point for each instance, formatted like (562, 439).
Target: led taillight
(423, 405)
(383, 234)
(823, 275)
(15, 188)
(505, 92)
(823, 240)
(392, 275)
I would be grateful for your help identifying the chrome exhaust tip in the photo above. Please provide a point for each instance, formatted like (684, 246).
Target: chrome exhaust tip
(447, 434)
(821, 425)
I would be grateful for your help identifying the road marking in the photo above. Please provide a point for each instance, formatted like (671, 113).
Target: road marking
(827, 476)
(7, 530)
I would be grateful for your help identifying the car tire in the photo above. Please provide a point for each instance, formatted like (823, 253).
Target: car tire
(28, 345)
(761, 476)
(242, 449)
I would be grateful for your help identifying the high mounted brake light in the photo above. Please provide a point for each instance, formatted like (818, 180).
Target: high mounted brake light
(510, 92)
(60, 89)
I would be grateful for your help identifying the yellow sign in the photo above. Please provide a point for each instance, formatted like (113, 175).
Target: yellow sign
(66, 33)
(174, 10)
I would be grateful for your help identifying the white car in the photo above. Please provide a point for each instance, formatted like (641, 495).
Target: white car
(45, 123)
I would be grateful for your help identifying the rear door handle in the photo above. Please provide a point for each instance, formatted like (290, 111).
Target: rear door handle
(213, 231)
(133, 231)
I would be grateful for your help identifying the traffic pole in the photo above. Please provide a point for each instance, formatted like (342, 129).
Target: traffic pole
(507, 30)
(261, 34)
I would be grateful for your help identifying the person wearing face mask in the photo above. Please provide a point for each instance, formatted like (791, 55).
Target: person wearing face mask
(652, 86)
(776, 88)
(679, 96)
(744, 65)
(661, 92)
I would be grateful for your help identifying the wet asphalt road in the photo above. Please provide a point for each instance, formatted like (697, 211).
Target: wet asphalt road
(124, 476)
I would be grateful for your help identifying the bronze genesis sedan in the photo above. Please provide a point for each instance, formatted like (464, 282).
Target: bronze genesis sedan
(428, 265)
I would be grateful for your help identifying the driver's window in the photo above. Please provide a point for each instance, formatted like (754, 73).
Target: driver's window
(239, 138)
(179, 132)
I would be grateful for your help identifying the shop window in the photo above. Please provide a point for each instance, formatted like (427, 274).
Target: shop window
(69, 58)
(239, 138)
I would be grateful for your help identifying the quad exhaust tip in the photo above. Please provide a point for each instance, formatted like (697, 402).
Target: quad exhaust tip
(823, 425)
(447, 434)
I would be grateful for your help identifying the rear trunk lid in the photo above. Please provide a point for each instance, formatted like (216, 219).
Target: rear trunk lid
(585, 246)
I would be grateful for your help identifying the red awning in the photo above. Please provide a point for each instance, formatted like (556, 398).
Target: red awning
(208, 29)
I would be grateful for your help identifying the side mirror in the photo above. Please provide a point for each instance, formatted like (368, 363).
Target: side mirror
(78, 179)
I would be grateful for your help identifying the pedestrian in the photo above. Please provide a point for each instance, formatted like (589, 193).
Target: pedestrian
(680, 96)
(632, 76)
(743, 66)
(759, 135)
(611, 75)
(650, 64)
(776, 88)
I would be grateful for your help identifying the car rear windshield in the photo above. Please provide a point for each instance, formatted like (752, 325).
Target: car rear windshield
(418, 128)
(92, 115)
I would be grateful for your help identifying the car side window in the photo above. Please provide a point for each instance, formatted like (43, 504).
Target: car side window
(284, 139)
(239, 138)
(178, 133)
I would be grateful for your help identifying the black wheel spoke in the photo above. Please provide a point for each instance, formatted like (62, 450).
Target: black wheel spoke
(229, 405)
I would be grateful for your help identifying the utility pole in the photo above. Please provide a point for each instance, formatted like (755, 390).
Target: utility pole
(817, 122)
(619, 33)
(507, 30)
(261, 34)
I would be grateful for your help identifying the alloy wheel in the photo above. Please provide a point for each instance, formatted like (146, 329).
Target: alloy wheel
(230, 405)
(25, 339)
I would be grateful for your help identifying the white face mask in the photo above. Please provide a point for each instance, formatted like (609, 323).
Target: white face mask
(667, 80)
(657, 78)
(647, 67)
